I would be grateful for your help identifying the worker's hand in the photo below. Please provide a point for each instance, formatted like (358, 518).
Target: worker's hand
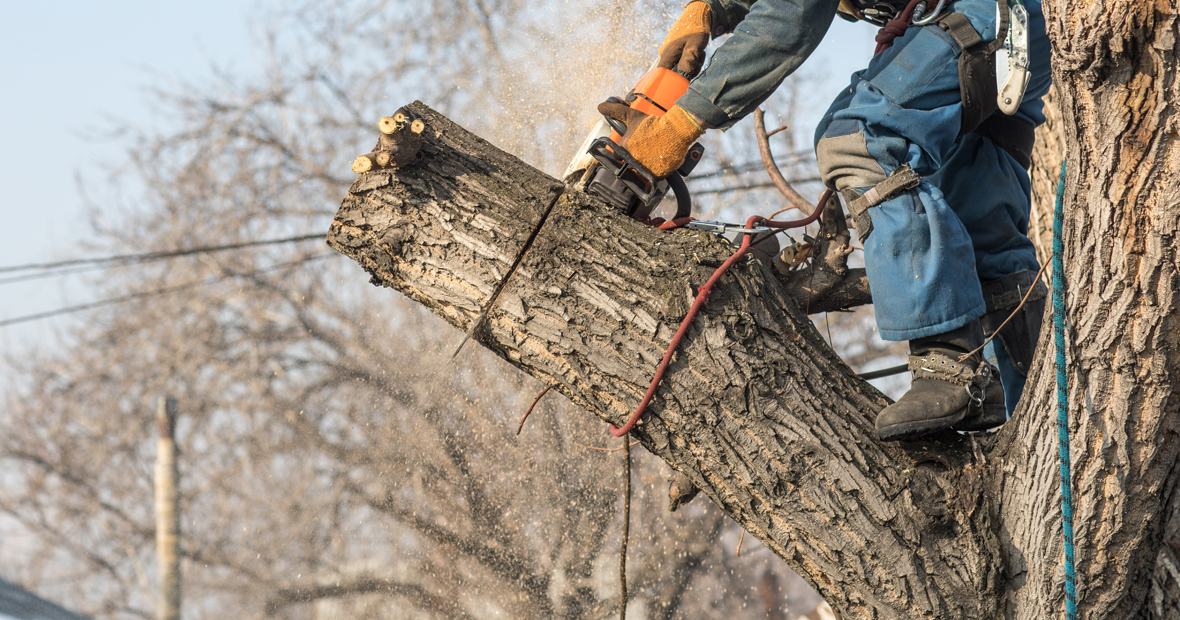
(658, 143)
(683, 49)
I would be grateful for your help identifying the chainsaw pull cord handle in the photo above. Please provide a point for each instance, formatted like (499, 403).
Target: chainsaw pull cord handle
(702, 295)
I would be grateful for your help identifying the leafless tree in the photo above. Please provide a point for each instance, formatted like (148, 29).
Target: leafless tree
(336, 461)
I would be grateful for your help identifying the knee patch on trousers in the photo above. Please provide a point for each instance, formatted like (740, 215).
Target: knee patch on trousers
(844, 160)
(845, 164)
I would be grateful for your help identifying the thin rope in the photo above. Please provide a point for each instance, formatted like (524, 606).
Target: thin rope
(1071, 602)
(703, 294)
(626, 529)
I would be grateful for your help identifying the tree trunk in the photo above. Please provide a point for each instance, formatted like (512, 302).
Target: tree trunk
(1115, 70)
(760, 414)
(1164, 598)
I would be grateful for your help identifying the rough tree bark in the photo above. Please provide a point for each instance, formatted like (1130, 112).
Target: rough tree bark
(761, 415)
(1049, 151)
(1115, 67)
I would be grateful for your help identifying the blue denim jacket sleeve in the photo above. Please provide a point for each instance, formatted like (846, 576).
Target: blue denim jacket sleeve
(771, 38)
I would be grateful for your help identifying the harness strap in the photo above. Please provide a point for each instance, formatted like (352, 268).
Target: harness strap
(902, 179)
(977, 86)
(1016, 327)
(959, 27)
(977, 70)
(1007, 292)
(935, 365)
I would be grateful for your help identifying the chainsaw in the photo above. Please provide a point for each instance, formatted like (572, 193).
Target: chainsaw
(604, 169)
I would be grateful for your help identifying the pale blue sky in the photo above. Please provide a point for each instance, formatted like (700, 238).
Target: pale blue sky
(66, 69)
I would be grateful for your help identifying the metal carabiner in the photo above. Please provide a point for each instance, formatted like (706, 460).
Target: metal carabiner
(1013, 66)
(721, 228)
(926, 19)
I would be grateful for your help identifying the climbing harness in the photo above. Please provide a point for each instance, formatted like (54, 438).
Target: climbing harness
(900, 180)
(748, 241)
(1071, 604)
(881, 12)
(992, 75)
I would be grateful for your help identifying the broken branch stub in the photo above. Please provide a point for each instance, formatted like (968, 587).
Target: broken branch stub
(398, 142)
(363, 163)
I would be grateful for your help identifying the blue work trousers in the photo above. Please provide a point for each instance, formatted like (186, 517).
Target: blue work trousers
(968, 219)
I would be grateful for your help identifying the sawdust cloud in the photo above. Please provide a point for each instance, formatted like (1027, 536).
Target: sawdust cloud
(578, 54)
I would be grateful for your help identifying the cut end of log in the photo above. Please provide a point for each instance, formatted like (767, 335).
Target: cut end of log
(390, 124)
(382, 158)
(362, 164)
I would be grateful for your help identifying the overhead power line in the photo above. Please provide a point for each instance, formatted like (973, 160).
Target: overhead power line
(160, 291)
(151, 256)
(41, 275)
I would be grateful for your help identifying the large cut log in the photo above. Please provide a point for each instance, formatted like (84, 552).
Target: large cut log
(756, 410)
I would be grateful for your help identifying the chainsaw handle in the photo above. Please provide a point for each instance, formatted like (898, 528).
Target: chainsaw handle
(619, 126)
(683, 198)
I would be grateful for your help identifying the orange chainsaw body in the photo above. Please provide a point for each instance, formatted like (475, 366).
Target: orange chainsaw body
(622, 181)
(655, 93)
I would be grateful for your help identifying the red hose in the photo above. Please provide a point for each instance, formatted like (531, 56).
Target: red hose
(702, 295)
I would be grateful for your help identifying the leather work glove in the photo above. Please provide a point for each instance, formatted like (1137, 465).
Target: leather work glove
(659, 143)
(683, 49)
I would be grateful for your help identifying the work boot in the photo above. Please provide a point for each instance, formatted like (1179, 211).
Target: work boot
(945, 393)
(990, 413)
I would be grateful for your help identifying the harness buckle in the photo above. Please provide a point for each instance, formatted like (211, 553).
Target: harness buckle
(1012, 60)
(979, 382)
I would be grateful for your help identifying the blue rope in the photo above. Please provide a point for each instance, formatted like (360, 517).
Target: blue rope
(1071, 601)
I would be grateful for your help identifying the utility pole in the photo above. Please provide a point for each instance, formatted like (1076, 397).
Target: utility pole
(167, 512)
